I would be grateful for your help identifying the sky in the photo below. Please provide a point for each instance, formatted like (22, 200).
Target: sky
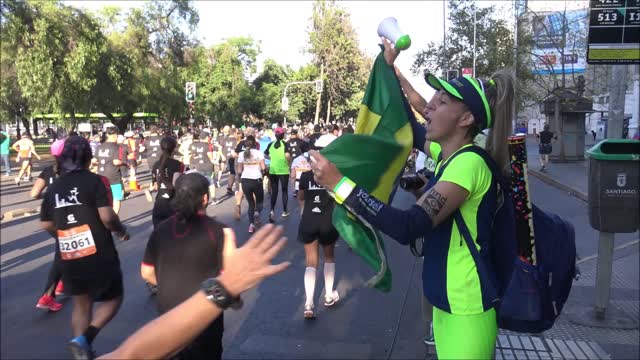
(281, 26)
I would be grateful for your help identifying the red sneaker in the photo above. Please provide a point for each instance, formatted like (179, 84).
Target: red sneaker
(47, 302)
(60, 288)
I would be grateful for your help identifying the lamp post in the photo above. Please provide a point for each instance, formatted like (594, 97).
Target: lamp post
(474, 41)
(285, 99)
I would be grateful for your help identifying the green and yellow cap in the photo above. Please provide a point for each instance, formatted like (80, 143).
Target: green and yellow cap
(468, 90)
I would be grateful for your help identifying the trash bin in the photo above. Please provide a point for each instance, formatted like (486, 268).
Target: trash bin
(614, 176)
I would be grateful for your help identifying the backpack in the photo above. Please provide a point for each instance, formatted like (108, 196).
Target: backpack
(528, 298)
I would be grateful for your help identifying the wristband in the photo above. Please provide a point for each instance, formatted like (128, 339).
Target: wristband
(343, 189)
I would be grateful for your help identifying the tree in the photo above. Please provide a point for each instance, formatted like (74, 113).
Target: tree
(334, 46)
(11, 99)
(494, 44)
(146, 59)
(56, 50)
(552, 52)
(558, 39)
(220, 72)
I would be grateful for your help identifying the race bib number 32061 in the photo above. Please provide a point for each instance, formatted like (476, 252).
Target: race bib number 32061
(76, 243)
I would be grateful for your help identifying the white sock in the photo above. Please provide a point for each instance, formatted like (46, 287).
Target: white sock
(329, 274)
(309, 284)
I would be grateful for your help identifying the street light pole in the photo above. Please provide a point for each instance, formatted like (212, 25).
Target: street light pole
(474, 41)
(444, 38)
(284, 96)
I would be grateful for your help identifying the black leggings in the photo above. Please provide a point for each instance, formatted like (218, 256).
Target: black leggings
(284, 184)
(54, 275)
(162, 210)
(251, 188)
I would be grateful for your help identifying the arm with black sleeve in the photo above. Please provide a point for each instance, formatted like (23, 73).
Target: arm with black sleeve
(401, 225)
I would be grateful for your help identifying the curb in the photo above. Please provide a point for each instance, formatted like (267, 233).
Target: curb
(555, 183)
(22, 212)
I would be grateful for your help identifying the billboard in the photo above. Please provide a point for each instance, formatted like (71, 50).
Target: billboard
(548, 35)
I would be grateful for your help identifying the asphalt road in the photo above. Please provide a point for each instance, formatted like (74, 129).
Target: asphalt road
(365, 324)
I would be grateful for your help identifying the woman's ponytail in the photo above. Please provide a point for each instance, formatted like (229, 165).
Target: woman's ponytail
(499, 92)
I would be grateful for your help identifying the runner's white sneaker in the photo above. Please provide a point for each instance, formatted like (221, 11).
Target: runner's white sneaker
(332, 300)
(308, 312)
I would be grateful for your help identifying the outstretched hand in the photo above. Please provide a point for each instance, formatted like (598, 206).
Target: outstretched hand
(246, 266)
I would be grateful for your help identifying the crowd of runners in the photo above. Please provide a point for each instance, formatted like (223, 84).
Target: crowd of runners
(191, 262)
(191, 169)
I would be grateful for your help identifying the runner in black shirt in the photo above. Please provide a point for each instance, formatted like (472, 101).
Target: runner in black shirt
(316, 134)
(184, 251)
(163, 176)
(202, 159)
(316, 227)
(295, 144)
(53, 286)
(228, 141)
(152, 152)
(77, 211)
(110, 158)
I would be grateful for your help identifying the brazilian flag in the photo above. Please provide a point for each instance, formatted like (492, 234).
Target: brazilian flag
(374, 158)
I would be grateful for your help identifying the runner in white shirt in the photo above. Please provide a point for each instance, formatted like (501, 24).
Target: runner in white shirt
(299, 165)
(251, 167)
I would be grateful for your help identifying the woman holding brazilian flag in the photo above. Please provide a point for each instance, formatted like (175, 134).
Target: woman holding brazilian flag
(464, 320)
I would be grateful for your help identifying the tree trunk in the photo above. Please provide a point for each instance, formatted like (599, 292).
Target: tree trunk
(34, 123)
(123, 122)
(618, 88)
(17, 127)
(328, 111)
(558, 128)
(26, 125)
(74, 123)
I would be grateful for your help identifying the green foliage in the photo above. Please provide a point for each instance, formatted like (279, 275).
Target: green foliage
(334, 44)
(58, 58)
(494, 44)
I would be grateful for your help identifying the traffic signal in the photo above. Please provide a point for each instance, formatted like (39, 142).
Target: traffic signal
(190, 92)
(452, 74)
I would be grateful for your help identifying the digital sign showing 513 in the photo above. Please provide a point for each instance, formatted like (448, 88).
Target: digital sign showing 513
(600, 17)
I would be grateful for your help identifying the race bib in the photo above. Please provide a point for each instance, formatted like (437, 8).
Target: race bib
(76, 243)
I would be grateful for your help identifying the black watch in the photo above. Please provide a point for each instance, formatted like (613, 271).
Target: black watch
(217, 294)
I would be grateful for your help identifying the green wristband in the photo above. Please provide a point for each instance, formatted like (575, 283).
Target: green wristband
(343, 189)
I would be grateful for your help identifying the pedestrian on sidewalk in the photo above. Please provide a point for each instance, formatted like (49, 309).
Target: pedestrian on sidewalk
(464, 319)
(544, 146)
(5, 140)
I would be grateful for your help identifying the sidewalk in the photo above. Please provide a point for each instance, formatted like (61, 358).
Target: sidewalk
(570, 177)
